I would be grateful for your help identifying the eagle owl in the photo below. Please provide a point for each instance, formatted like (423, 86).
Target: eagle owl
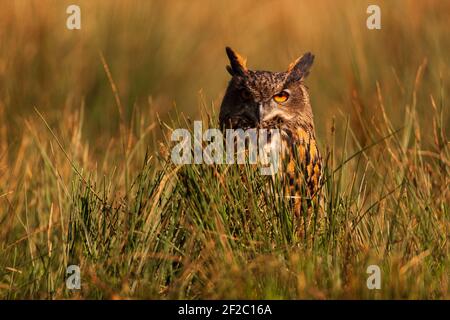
(278, 100)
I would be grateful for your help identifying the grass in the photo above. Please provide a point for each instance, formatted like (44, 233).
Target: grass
(79, 188)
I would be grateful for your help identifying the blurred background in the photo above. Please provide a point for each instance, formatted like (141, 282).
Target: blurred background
(167, 55)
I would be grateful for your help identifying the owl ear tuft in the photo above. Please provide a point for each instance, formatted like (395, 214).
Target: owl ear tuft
(237, 65)
(299, 69)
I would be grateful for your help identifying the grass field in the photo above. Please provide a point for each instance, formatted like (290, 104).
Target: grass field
(85, 177)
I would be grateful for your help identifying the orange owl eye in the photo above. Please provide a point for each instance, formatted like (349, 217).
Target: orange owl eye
(281, 97)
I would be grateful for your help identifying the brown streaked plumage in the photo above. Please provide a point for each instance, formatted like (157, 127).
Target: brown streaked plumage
(264, 99)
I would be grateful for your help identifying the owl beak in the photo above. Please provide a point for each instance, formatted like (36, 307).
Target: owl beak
(260, 113)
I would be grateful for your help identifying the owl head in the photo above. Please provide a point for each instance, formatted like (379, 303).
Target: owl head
(262, 99)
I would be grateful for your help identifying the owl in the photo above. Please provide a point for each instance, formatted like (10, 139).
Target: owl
(278, 100)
